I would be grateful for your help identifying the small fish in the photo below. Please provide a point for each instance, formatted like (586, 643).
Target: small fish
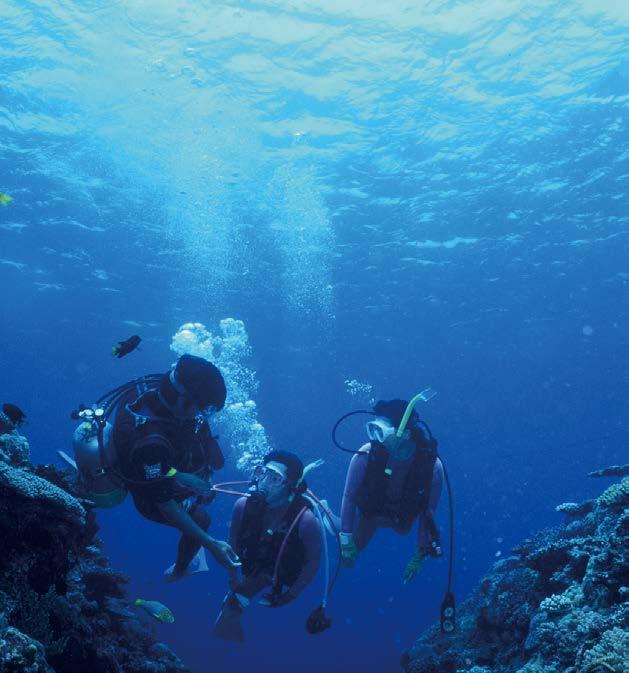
(125, 347)
(5, 199)
(157, 610)
(14, 414)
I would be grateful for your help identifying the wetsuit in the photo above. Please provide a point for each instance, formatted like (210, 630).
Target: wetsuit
(365, 527)
(307, 544)
(150, 443)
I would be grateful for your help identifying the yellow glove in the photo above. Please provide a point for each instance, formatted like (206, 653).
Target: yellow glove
(349, 551)
(413, 566)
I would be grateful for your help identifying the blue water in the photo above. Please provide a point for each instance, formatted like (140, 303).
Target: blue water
(402, 193)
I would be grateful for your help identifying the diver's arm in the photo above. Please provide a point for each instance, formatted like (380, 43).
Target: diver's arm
(177, 517)
(424, 538)
(353, 483)
(310, 535)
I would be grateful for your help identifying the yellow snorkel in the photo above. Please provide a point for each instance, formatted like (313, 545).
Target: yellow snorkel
(425, 395)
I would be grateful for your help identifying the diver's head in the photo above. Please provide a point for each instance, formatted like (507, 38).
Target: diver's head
(383, 428)
(193, 386)
(279, 477)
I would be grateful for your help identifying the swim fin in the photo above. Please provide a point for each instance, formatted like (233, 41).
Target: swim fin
(227, 625)
(67, 460)
(197, 565)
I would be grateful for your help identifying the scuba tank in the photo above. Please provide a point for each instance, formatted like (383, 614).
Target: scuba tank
(95, 456)
(93, 444)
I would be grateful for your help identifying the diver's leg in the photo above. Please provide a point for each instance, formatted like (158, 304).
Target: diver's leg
(189, 546)
(252, 585)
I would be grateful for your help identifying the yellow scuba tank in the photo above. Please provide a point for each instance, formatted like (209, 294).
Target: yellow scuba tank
(94, 452)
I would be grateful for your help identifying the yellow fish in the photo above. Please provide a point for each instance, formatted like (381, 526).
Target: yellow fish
(5, 199)
(157, 610)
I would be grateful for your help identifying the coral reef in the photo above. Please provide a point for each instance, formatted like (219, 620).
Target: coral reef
(14, 448)
(62, 606)
(560, 604)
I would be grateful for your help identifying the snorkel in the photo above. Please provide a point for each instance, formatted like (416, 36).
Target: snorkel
(425, 396)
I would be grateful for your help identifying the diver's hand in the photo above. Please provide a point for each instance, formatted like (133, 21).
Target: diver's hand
(223, 554)
(191, 482)
(349, 551)
(413, 566)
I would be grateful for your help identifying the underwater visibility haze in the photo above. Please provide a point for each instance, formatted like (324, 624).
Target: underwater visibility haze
(336, 203)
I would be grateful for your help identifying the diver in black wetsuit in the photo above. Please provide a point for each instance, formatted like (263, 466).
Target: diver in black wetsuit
(166, 455)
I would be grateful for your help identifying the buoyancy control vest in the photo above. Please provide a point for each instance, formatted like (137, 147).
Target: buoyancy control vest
(415, 497)
(188, 446)
(258, 547)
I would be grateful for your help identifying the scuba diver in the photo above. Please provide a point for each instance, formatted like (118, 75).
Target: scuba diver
(159, 446)
(391, 481)
(276, 531)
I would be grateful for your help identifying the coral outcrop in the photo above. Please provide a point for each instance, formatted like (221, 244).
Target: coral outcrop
(62, 605)
(14, 448)
(560, 604)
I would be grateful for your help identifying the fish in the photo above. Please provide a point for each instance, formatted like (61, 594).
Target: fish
(125, 347)
(5, 199)
(157, 610)
(14, 414)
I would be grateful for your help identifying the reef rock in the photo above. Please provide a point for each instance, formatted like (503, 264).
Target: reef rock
(611, 471)
(560, 604)
(15, 449)
(57, 589)
(21, 654)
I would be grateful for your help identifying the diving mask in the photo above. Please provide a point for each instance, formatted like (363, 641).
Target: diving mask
(379, 430)
(268, 473)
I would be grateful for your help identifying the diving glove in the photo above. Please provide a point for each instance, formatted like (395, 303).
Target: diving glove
(349, 551)
(413, 566)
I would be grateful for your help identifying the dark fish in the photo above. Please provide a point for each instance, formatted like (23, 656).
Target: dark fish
(14, 413)
(125, 347)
